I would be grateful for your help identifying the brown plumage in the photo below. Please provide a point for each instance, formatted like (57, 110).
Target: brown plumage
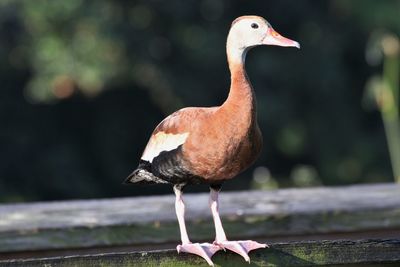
(211, 145)
(222, 141)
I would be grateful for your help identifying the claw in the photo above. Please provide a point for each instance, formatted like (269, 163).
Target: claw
(204, 250)
(241, 247)
(215, 243)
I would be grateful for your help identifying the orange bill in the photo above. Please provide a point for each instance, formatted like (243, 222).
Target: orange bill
(274, 38)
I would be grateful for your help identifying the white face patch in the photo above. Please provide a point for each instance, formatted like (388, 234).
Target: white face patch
(244, 34)
(163, 142)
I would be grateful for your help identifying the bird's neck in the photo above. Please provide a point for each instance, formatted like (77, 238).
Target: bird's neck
(241, 96)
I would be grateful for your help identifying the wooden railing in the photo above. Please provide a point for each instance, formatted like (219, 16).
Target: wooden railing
(353, 253)
(123, 227)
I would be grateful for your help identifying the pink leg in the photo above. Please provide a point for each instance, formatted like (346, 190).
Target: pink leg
(204, 250)
(240, 247)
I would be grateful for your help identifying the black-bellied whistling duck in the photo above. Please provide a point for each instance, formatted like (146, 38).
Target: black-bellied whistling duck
(211, 145)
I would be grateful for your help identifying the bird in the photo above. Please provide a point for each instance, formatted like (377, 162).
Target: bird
(211, 145)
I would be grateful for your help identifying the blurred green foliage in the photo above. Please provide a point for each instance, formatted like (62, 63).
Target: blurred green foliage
(382, 92)
(83, 83)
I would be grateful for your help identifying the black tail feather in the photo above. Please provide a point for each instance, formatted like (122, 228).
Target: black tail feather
(143, 176)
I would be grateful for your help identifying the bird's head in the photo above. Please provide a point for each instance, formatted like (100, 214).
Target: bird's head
(250, 31)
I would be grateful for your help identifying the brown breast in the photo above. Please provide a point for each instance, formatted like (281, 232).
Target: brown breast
(220, 147)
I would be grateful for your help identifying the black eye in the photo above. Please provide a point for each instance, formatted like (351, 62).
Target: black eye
(254, 25)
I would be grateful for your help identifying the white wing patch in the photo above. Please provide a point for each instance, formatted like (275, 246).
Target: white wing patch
(162, 142)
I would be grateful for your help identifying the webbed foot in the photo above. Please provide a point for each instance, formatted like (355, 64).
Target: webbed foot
(242, 247)
(204, 250)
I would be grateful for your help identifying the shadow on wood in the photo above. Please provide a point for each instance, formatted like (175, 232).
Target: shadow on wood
(318, 253)
(351, 212)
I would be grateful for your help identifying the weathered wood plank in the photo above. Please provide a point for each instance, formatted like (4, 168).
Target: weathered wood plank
(354, 253)
(151, 220)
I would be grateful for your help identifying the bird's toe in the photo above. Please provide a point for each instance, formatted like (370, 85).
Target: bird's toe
(204, 250)
(242, 247)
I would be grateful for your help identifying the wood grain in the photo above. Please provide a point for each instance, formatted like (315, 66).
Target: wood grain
(319, 253)
(151, 220)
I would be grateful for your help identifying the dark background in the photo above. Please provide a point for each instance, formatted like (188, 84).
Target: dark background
(83, 84)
